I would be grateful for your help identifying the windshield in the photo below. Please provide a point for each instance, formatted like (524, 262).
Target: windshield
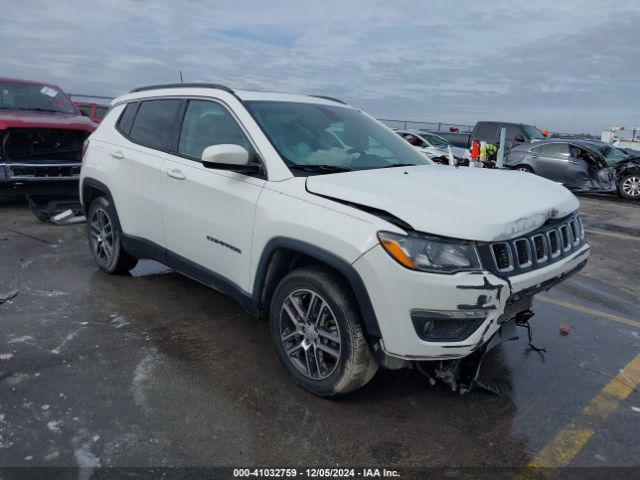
(532, 132)
(306, 134)
(612, 155)
(436, 141)
(33, 97)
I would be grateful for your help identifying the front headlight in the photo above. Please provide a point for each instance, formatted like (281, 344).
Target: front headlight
(430, 254)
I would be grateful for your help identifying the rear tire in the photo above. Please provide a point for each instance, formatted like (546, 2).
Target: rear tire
(524, 168)
(105, 238)
(629, 186)
(318, 333)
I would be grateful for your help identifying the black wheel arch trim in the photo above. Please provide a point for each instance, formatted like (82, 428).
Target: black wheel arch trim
(360, 292)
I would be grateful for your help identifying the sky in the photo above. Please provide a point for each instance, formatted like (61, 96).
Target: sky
(570, 66)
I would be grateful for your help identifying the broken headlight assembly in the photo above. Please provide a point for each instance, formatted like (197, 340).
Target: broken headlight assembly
(427, 253)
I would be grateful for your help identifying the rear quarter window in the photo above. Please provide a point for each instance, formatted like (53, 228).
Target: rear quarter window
(154, 123)
(126, 118)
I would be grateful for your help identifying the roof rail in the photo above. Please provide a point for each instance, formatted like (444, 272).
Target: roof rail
(184, 85)
(329, 98)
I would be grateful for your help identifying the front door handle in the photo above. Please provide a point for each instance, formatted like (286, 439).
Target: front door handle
(175, 173)
(117, 154)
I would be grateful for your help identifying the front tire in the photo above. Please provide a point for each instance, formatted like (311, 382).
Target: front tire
(629, 186)
(524, 168)
(105, 238)
(318, 333)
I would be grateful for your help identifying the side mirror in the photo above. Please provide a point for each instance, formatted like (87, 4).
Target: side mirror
(228, 157)
(519, 138)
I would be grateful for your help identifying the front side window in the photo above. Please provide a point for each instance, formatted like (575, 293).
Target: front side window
(532, 132)
(308, 134)
(154, 122)
(34, 97)
(208, 123)
(436, 141)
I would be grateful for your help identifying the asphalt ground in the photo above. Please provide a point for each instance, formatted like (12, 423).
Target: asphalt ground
(156, 370)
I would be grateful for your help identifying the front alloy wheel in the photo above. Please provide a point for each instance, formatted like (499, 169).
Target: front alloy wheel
(309, 334)
(630, 187)
(318, 333)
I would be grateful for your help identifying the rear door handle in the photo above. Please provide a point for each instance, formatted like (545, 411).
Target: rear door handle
(574, 162)
(175, 173)
(116, 154)
(534, 156)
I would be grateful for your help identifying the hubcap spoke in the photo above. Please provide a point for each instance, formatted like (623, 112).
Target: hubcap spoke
(329, 350)
(308, 328)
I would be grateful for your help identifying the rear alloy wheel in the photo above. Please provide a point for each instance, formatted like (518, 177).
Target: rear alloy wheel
(319, 337)
(105, 239)
(629, 186)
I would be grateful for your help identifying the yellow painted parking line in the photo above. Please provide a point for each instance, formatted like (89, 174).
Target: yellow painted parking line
(612, 234)
(589, 311)
(566, 445)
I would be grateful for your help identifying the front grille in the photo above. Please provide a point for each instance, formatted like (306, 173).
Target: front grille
(501, 255)
(25, 172)
(537, 249)
(43, 144)
(554, 243)
(523, 252)
(566, 238)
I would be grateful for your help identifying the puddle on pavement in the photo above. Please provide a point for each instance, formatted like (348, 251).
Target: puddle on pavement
(146, 268)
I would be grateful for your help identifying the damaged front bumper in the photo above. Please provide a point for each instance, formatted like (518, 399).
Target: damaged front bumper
(39, 178)
(415, 308)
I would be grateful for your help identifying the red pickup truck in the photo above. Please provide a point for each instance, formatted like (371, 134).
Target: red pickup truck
(41, 138)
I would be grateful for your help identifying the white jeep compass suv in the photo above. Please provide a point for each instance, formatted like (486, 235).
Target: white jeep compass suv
(359, 251)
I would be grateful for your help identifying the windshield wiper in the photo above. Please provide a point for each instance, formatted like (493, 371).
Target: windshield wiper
(321, 168)
(400, 165)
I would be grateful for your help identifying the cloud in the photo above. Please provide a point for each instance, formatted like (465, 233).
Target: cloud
(568, 66)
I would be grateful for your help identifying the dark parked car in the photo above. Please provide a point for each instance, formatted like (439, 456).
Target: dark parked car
(490, 132)
(579, 165)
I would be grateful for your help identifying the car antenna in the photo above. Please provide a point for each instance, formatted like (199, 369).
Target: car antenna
(181, 80)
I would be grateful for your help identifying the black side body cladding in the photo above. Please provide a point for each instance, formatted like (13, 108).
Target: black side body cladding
(252, 303)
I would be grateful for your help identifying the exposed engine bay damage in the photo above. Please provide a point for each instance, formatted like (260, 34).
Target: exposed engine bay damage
(42, 145)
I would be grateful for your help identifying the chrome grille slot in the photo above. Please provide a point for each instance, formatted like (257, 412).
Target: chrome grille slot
(502, 256)
(554, 243)
(539, 248)
(573, 224)
(523, 252)
(566, 237)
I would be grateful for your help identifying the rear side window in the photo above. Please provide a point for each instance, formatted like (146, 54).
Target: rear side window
(487, 130)
(126, 118)
(555, 149)
(154, 122)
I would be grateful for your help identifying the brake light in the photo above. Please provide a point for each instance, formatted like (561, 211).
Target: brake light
(85, 147)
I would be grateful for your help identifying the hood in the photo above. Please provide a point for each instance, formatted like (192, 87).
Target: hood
(465, 203)
(69, 121)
